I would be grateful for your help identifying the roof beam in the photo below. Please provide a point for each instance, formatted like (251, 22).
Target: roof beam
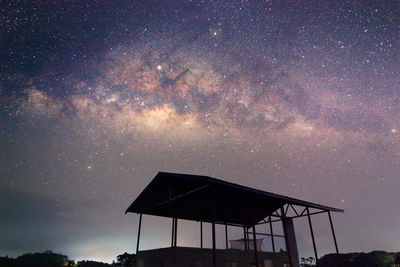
(179, 196)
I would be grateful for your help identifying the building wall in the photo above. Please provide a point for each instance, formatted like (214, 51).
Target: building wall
(197, 257)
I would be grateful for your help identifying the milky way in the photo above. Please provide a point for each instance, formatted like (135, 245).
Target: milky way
(296, 98)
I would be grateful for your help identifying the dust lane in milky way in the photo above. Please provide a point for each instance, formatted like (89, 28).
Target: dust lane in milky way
(298, 99)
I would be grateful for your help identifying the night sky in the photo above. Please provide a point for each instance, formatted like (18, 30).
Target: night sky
(300, 98)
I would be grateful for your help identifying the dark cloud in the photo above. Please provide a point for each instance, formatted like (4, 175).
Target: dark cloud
(32, 208)
(32, 220)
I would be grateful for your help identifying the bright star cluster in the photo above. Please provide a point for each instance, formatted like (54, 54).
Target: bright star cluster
(296, 98)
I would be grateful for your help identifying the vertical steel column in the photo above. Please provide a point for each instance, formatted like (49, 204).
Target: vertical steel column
(213, 245)
(286, 236)
(176, 232)
(173, 232)
(290, 241)
(255, 245)
(312, 234)
(244, 237)
(333, 232)
(272, 234)
(201, 234)
(226, 236)
(138, 236)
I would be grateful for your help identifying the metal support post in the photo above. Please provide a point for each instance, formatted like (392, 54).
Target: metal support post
(272, 234)
(226, 236)
(312, 234)
(138, 236)
(176, 232)
(255, 245)
(333, 232)
(213, 245)
(201, 234)
(173, 232)
(286, 237)
(245, 237)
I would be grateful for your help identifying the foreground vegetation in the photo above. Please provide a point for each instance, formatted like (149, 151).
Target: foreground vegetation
(360, 259)
(50, 259)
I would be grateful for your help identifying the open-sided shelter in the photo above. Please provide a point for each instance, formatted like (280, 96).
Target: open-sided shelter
(209, 200)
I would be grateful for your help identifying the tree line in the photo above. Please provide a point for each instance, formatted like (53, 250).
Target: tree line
(360, 259)
(51, 259)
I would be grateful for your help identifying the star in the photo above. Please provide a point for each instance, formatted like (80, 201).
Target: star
(300, 99)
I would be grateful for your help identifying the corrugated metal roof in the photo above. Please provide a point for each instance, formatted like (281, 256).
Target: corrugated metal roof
(203, 198)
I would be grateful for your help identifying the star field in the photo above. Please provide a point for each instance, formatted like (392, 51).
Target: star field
(297, 98)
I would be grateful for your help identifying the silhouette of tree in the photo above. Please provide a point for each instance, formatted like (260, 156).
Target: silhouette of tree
(397, 259)
(71, 263)
(46, 259)
(7, 262)
(126, 259)
(372, 259)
